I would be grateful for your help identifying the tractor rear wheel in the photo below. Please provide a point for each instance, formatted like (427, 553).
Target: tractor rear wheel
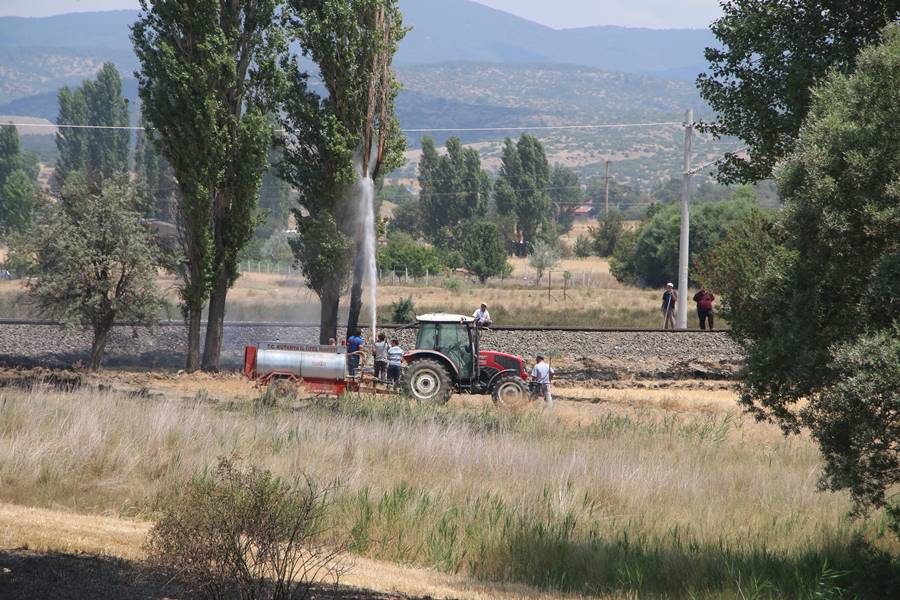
(428, 381)
(510, 392)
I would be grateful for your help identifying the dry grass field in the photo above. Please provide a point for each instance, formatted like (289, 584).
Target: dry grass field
(596, 298)
(627, 493)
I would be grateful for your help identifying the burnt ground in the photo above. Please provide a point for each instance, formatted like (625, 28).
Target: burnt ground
(27, 575)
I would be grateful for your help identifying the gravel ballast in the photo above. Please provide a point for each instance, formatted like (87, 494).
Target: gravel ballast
(603, 355)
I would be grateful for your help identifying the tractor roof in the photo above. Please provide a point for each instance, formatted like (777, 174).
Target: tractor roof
(444, 318)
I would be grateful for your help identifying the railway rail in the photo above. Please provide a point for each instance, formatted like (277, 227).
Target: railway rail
(387, 326)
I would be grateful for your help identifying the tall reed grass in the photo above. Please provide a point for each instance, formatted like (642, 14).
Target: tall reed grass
(697, 504)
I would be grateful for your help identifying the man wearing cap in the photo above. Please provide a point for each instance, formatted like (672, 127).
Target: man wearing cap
(482, 316)
(541, 374)
(669, 300)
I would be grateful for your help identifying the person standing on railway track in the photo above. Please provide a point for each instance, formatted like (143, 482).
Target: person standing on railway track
(541, 375)
(669, 302)
(355, 345)
(381, 357)
(704, 300)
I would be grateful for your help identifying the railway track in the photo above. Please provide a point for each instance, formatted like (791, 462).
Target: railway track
(386, 326)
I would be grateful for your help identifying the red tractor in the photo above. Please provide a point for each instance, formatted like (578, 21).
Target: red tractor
(447, 359)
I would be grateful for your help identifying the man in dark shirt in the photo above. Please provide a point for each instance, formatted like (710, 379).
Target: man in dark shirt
(355, 344)
(669, 301)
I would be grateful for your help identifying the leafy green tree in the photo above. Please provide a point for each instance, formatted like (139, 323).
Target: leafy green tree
(18, 192)
(454, 190)
(403, 254)
(353, 43)
(770, 55)
(565, 195)
(208, 79)
(543, 258)
(607, 234)
(484, 251)
(652, 260)
(95, 262)
(18, 199)
(732, 266)
(156, 180)
(820, 326)
(99, 153)
(407, 217)
(521, 189)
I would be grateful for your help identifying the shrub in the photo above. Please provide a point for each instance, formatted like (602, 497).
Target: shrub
(403, 310)
(452, 284)
(583, 247)
(543, 258)
(245, 531)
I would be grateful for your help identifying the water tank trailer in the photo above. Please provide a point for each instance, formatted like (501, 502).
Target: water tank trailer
(321, 369)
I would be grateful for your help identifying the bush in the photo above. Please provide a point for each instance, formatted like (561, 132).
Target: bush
(403, 311)
(245, 532)
(543, 258)
(583, 247)
(452, 284)
(402, 252)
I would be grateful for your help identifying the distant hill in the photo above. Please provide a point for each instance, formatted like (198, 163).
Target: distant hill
(462, 65)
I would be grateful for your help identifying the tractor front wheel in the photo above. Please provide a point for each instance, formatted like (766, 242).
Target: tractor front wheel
(428, 381)
(510, 392)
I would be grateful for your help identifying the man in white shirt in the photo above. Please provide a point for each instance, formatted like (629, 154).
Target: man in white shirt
(541, 374)
(482, 316)
(395, 362)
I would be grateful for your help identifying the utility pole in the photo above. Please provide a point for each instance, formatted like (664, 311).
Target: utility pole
(684, 242)
(606, 191)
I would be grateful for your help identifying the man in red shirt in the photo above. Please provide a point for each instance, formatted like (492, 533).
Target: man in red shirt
(704, 302)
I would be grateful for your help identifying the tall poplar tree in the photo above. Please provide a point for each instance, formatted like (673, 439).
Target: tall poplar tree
(454, 190)
(209, 77)
(99, 153)
(521, 189)
(353, 43)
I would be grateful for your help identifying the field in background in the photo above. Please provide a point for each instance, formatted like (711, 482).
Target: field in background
(595, 298)
(634, 493)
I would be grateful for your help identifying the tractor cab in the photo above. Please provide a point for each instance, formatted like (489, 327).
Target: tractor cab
(448, 358)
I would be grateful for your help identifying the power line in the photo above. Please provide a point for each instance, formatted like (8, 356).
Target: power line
(411, 130)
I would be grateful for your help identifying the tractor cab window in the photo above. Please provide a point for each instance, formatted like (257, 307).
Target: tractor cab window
(427, 338)
(454, 342)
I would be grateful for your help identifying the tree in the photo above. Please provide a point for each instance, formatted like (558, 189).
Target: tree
(18, 192)
(95, 263)
(543, 258)
(99, 153)
(353, 43)
(403, 254)
(819, 328)
(455, 190)
(607, 234)
(156, 180)
(521, 189)
(651, 258)
(484, 251)
(771, 54)
(565, 195)
(18, 196)
(209, 77)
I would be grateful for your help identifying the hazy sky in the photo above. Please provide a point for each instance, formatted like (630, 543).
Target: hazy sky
(556, 13)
